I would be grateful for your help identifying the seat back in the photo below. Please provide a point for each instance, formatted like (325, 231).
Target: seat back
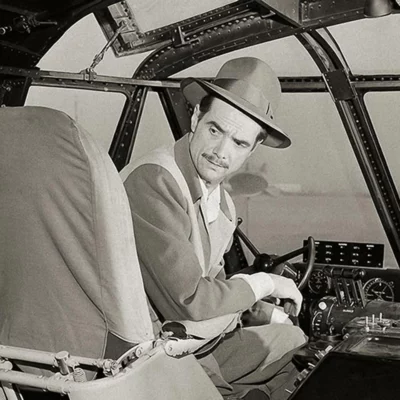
(69, 273)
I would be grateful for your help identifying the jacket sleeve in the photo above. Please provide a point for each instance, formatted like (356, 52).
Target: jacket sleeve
(171, 271)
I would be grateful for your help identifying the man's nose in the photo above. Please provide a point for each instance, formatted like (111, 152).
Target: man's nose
(221, 149)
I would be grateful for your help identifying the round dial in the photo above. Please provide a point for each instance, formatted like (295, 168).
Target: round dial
(318, 282)
(378, 289)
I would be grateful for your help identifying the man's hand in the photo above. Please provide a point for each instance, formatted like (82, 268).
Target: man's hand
(286, 290)
(265, 285)
(259, 314)
(263, 313)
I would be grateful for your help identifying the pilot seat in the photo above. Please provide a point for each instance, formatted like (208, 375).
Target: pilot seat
(74, 317)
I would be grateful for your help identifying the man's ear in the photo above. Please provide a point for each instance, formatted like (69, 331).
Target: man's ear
(195, 118)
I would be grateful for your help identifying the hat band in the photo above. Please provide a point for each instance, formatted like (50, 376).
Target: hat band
(246, 91)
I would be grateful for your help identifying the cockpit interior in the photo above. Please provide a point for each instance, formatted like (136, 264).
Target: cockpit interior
(92, 85)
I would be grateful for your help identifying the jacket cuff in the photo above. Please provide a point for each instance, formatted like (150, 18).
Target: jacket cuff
(261, 284)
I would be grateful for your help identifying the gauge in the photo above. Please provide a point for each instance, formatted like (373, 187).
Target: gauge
(318, 282)
(378, 289)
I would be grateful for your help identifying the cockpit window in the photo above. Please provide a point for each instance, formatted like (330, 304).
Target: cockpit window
(159, 13)
(369, 45)
(154, 130)
(315, 187)
(77, 48)
(97, 112)
(384, 109)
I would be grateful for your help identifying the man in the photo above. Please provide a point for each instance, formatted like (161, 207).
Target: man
(184, 222)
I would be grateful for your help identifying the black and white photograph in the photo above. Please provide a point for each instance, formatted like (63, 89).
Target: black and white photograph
(199, 200)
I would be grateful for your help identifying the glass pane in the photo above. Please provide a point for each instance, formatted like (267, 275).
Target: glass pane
(384, 111)
(315, 187)
(77, 48)
(286, 56)
(154, 130)
(97, 112)
(158, 13)
(370, 46)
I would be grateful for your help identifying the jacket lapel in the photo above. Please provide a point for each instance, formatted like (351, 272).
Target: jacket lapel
(185, 164)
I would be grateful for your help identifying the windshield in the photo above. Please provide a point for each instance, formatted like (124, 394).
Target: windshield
(315, 187)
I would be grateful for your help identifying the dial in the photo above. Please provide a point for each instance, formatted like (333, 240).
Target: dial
(318, 282)
(378, 289)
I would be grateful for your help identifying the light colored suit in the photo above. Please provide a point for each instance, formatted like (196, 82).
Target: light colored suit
(183, 284)
(171, 265)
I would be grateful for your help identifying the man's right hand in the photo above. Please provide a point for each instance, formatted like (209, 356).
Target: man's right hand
(286, 290)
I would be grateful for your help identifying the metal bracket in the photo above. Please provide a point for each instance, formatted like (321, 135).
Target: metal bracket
(89, 74)
(338, 85)
(287, 9)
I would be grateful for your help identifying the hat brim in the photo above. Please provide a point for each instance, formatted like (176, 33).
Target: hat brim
(196, 89)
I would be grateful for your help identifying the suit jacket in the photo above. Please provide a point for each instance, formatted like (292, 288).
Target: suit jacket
(172, 274)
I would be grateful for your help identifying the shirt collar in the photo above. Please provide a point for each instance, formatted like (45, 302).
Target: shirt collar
(212, 201)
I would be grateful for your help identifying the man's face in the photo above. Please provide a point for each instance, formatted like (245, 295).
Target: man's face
(222, 141)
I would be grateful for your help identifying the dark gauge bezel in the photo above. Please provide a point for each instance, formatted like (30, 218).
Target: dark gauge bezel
(374, 281)
(325, 287)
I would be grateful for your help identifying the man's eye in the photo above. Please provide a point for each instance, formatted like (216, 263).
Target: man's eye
(214, 131)
(240, 144)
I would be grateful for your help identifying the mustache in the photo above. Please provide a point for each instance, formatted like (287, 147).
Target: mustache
(215, 160)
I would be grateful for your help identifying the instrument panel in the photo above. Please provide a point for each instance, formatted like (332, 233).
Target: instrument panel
(325, 315)
(379, 284)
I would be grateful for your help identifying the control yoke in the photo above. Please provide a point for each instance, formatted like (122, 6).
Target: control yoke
(266, 263)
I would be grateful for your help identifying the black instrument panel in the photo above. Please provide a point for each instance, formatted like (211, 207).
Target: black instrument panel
(348, 253)
(378, 284)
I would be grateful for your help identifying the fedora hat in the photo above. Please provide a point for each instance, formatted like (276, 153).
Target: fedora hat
(249, 85)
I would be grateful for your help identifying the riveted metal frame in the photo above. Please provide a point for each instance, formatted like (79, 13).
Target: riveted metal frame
(169, 60)
(175, 108)
(84, 80)
(197, 39)
(174, 34)
(361, 134)
(13, 91)
(17, 56)
(126, 132)
(287, 9)
(325, 11)
(209, 43)
(250, 29)
(381, 83)
(309, 14)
